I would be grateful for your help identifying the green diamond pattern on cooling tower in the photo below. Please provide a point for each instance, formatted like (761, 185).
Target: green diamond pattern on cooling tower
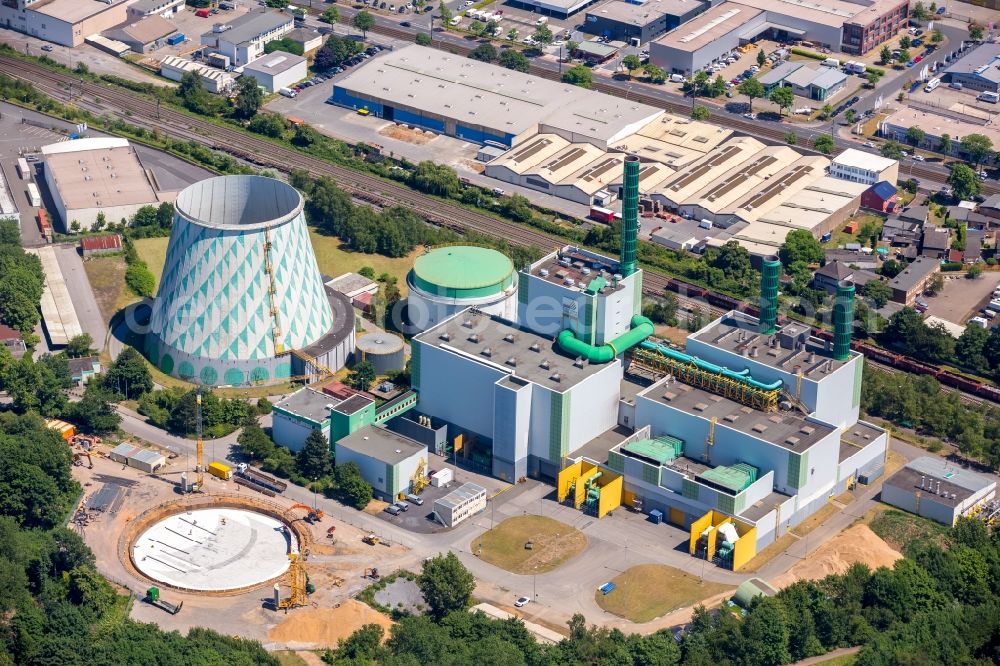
(214, 301)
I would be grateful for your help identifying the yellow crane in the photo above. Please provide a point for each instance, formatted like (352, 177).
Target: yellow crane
(297, 581)
(419, 480)
(200, 450)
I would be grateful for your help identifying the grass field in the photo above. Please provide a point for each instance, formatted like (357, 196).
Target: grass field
(288, 658)
(154, 252)
(107, 279)
(900, 529)
(553, 543)
(842, 660)
(648, 591)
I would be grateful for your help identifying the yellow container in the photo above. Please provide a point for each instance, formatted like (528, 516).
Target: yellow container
(219, 470)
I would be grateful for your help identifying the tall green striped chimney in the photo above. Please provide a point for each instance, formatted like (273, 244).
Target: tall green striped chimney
(630, 215)
(770, 274)
(843, 320)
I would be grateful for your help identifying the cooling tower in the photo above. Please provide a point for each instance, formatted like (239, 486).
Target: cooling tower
(240, 287)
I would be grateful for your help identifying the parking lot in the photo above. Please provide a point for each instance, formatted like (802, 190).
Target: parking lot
(961, 298)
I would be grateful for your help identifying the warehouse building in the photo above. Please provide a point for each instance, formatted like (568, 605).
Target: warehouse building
(307, 38)
(979, 70)
(560, 9)
(837, 25)
(639, 22)
(484, 103)
(87, 177)
(277, 70)
(242, 40)
(816, 83)
(938, 489)
(460, 504)
(146, 460)
(389, 461)
(294, 417)
(66, 22)
(859, 166)
(144, 35)
(934, 126)
(214, 80)
(165, 8)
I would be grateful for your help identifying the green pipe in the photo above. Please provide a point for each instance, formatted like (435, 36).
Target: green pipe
(641, 329)
(742, 376)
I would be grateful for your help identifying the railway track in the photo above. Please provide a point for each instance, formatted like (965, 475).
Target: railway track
(141, 111)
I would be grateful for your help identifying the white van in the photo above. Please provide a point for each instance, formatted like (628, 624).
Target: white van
(542, 20)
(287, 92)
(831, 62)
(455, 20)
(990, 97)
(676, 78)
(932, 84)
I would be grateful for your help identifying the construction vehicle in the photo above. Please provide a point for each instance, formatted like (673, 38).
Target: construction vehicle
(249, 477)
(370, 539)
(153, 598)
(78, 459)
(312, 515)
(298, 581)
(371, 573)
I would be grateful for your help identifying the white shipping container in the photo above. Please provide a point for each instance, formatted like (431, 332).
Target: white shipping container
(442, 477)
(981, 322)
(34, 196)
(23, 170)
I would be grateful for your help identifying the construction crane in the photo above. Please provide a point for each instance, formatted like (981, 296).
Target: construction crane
(200, 449)
(297, 580)
(419, 480)
(710, 440)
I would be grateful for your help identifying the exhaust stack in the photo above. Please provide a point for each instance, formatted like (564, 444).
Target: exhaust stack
(770, 274)
(843, 320)
(630, 216)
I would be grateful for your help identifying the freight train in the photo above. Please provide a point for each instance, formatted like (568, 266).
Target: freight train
(968, 385)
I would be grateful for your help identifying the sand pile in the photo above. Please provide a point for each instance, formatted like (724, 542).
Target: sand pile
(317, 628)
(856, 544)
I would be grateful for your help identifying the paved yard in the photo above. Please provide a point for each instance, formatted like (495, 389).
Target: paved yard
(960, 298)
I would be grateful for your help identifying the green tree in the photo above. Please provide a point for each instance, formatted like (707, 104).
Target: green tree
(446, 584)
(490, 29)
(761, 58)
(80, 345)
(364, 22)
(892, 149)
(578, 75)
(765, 634)
(268, 124)
(791, 138)
(362, 376)
(752, 89)
(782, 96)
(905, 42)
(543, 34)
(305, 135)
(128, 375)
(436, 179)
(351, 486)
(885, 55)
(878, 291)
(193, 95)
(823, 143)
(977, 146)
(445, 13)
(717, 87)
(334, 52)
(964, 182)
(945, 144)
(514, 59)
(935, 284)
(851, 116)
(800, 245)
(918, 11)
(937, 36)
(915, 136)
(476, 27)
(249, 97)
(367, 271)
(330, 15)
(974, 272)
(484, 53)
(873, 77)
(969, 349)
(976, 32)
(512, 35)
(572, 46)
(423, 39)
(254, 442)
(363, 646)
(826, 112)
(94, 412)
(631, 63)
(700, 113)
(314, 460)
(904, 55)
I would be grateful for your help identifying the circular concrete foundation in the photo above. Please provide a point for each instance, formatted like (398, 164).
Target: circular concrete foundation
(214, 550)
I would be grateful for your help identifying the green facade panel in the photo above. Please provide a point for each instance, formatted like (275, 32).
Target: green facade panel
(415, 365)
(558, 426)
(689, 489)
(616, 461)
(859, 368)
(651, 474)
(798, 469)
(391, 476)
(726, 504)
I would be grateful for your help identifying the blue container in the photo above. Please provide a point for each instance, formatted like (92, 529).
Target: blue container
(656, 516)
(607, 587)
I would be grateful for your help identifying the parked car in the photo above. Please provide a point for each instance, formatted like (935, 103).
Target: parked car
(402, 506)
(942, 10)
(522, 602)
(46, 47)
(392, 510)
(404, 24)
(414, 499)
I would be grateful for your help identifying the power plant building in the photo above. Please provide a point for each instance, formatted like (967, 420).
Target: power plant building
(241, 300)
(738, 438)
(939, 490)
(450, 279)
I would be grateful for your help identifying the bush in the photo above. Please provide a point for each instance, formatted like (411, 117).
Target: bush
(140, 279)
(951, 266)
(809, 54)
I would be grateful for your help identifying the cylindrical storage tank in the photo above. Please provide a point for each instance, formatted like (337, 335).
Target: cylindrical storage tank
(240, 287)
(382, 350)
(450, 279)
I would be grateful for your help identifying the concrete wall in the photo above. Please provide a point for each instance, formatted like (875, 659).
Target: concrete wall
(373, 470)
(62, 32)
(928, 506)
(511, 426)
(594, 405)
(426, 310)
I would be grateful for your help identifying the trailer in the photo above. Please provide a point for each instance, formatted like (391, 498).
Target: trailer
(153, 598)
(23, 170)
(602, 214)
(220, 470)
(252, 485)
(44, 226)
(258, 478)
(34, 196)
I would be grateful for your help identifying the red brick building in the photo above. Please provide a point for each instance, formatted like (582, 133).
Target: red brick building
(882, 196)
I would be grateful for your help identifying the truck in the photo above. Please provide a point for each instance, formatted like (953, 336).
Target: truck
(174, 40)
(251, 478)
(220, 471)
(600, 214)
(153, 598)
(854, 67)
(990, 97)
(932, 84)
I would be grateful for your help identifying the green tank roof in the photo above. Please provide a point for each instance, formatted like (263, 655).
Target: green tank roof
(463, 271)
